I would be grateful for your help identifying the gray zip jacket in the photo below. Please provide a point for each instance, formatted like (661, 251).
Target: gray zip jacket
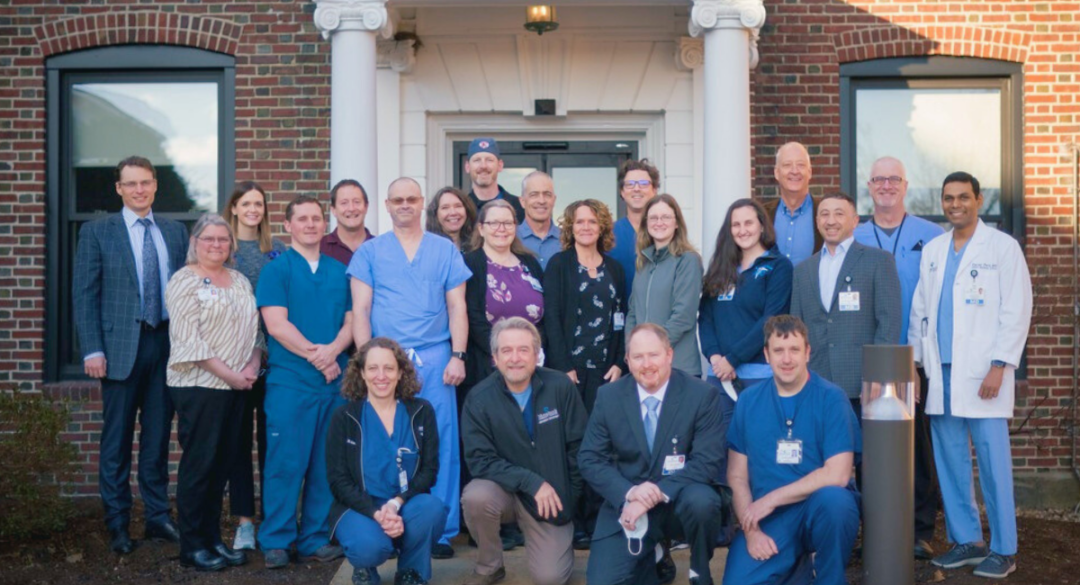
(666, 292)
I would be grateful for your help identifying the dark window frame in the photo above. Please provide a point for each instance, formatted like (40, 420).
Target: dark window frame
(147, 63)
(943, 71)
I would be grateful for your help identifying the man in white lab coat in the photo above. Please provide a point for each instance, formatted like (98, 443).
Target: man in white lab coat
(969, 322)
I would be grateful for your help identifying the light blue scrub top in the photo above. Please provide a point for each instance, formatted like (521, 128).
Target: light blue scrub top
(823, 420)
(317, 304)
(795, 231)
(945, 307)
(906, 245)
(409, 302)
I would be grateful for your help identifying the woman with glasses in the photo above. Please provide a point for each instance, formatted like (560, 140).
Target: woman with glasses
(451, 214)
(585, 298)
(216, 352)
(667, 285)
(382, 457)
(255, 248)
(506, 281)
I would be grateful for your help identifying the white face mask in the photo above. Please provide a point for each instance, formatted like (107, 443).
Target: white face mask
(638, 533)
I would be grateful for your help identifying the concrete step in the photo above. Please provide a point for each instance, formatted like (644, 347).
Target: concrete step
(455, 570)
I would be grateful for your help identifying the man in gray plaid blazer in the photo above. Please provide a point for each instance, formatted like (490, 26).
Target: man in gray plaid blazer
(122, 265)
(848, 295)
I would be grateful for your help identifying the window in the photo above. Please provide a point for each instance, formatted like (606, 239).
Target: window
(937, 115)
(173, 105)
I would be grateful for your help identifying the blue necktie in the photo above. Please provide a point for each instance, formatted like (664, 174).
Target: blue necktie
(151, 277)
(651, 416)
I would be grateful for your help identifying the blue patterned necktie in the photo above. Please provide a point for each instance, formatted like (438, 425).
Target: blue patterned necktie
(151, 277)
(651, 416)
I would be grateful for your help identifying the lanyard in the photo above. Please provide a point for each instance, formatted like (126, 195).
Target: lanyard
(788, 422)
(897, 236)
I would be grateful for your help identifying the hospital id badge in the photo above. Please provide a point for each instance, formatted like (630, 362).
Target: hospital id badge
(403, 480)
(620, 320)
(974, 296)
(849, 300)
(673, 463)
(788, 451)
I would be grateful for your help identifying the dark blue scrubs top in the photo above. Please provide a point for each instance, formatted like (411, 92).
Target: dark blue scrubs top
(380, 452)
(823, 420)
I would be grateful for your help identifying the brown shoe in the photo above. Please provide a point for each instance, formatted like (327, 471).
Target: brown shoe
(478, 579)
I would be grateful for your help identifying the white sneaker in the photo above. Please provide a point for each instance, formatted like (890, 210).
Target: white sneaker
(245, 537)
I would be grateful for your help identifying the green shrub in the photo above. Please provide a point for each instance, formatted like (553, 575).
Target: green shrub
(35, 465)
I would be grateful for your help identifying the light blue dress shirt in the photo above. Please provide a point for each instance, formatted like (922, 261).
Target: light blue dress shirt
(543, 248)
(829, 270)
(795, 230)
(136, 233)
(945, 307)
(905, 244)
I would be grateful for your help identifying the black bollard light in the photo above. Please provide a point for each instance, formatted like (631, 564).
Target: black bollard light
(888, 465)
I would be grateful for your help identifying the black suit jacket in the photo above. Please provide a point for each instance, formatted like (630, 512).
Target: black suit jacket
(614, 456)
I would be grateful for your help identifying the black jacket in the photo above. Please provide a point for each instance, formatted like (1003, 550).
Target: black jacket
(498, 448)
(561, 300)
(478, 359)
(344, 453)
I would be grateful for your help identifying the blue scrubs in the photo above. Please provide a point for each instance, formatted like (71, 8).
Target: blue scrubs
(625, 251)
(409, 306)
(906, 245)
(365, 543)
(945, 307)
(952, 455)
(299, 402)
(795, 231)
(827, 522)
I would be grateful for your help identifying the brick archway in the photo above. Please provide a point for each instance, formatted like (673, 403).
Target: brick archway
(880, 42)
(154, 28)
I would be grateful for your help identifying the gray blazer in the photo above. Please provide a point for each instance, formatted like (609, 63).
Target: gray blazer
(837, 337)
(106, 288)
(667, 292)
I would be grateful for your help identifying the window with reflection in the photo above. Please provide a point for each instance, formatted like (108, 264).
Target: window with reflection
(937, 115)
(172, 105)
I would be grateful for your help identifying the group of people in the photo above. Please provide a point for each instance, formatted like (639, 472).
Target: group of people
(542, 380)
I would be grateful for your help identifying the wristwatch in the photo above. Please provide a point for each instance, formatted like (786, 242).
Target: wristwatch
(997, 364)
(458, 354)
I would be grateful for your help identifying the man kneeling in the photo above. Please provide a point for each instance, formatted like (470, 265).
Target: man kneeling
(791, 447)
(522, 427)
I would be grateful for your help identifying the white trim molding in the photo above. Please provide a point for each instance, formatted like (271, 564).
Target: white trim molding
(689, 54)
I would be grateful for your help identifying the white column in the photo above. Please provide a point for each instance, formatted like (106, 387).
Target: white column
(352, 26)
(730, 28)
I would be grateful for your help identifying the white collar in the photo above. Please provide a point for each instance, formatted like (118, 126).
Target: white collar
(642, 394)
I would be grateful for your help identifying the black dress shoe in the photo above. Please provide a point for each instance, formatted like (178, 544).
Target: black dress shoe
(923, 550)
(582, 541)
(665, 568)
(442, 551)
(163, 532)
(203, 560)
(234, 558)
(120, 542)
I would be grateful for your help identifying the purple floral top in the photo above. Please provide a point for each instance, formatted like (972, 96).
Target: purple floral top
(512, 292)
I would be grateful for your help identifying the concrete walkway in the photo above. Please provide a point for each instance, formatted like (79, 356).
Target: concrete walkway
(453, 571)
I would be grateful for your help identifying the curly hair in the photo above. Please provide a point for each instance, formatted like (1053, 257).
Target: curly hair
(353, 386)
(605, 242)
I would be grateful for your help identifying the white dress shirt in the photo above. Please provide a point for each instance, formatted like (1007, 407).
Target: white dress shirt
(135, 237)
(829, 270)
(642, 394)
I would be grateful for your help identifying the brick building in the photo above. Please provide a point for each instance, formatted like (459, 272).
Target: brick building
(216, 92)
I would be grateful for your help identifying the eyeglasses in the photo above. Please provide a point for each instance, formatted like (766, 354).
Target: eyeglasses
(893, 180)
(499, 225)
(660, 218)
(396, 201)
(222, 241)
(631, 183)
(132, 184)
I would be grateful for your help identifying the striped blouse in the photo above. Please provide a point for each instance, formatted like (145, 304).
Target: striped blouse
(206, 321)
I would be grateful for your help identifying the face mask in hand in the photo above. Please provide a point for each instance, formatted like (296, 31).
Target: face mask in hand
(638, 534)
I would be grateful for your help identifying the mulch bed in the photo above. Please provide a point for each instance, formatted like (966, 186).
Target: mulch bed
(1049, 555)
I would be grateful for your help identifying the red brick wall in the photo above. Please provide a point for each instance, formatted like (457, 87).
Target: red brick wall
(796, 97)
(282, 139)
